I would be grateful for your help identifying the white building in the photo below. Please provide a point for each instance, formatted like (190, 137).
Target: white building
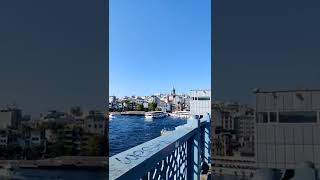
(200, 102)
(36, 137)
(10, 118)
(287, 128)
(154, 99)
(139, 100)
(112, 99)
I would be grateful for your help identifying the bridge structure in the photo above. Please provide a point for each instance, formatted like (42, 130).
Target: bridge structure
(182, 154)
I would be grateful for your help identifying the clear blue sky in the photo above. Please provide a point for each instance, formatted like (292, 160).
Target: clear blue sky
(155, 44)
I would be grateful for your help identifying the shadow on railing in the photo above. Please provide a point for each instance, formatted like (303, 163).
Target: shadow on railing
(178, 154)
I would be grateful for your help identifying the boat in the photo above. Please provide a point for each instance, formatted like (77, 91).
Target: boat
(113, 115)
(155, 115)
(181, 114)
(110, 116)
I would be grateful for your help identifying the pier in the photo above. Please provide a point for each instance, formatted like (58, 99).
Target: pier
(129, 113)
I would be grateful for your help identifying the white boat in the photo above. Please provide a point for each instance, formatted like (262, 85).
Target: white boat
(181, 114)
(155, 115)
(112, 115)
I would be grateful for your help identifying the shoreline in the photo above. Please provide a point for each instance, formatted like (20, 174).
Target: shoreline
(61, 163)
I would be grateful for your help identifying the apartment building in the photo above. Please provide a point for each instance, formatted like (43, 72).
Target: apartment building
(287, 128)
(10, 118)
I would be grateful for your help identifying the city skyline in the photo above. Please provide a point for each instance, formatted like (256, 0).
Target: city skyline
(157, 93)
(155, 45)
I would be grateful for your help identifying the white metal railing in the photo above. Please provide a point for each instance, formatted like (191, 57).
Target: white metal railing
(178, 154)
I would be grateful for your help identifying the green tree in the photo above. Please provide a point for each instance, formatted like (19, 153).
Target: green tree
(140, 107)
(152, 106)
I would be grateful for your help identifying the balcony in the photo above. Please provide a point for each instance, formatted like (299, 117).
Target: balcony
(180, 154)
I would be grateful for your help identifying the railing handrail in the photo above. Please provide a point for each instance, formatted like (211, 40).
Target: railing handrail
(137, 161)
(148, 154)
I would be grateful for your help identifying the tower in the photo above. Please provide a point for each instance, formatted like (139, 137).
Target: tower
(173, 92)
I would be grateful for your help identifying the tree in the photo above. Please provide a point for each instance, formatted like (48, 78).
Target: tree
(152, 106)
(139, 107)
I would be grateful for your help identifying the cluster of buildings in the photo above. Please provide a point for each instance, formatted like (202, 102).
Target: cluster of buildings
(165, 102)
(280, 133)
(73, 128)
(233, 133)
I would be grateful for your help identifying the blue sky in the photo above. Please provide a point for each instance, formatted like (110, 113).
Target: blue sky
(53, 55)
(157, 44)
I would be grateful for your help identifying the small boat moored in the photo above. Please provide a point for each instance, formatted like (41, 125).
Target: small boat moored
(155, 115)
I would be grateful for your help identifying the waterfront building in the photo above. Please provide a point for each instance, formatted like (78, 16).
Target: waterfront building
(95, 123)
(50, 135)
(139, 100)
(112, 99)
(287, 128)
(36, 137)
(232, 139)
(200, 102)
(10, 118)
(233, 133)
(163, 106)
(154, 99)
(7, 137)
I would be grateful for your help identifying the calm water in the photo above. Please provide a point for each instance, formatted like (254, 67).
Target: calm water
(126, 132)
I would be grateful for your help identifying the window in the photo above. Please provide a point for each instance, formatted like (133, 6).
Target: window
(273, 117)
(262, 117)
(298, 117)
(204, 98)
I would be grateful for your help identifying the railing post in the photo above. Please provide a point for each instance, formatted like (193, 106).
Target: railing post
(193, 162)
(207, 141)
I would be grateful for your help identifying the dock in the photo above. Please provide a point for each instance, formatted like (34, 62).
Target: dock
(129, 113)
